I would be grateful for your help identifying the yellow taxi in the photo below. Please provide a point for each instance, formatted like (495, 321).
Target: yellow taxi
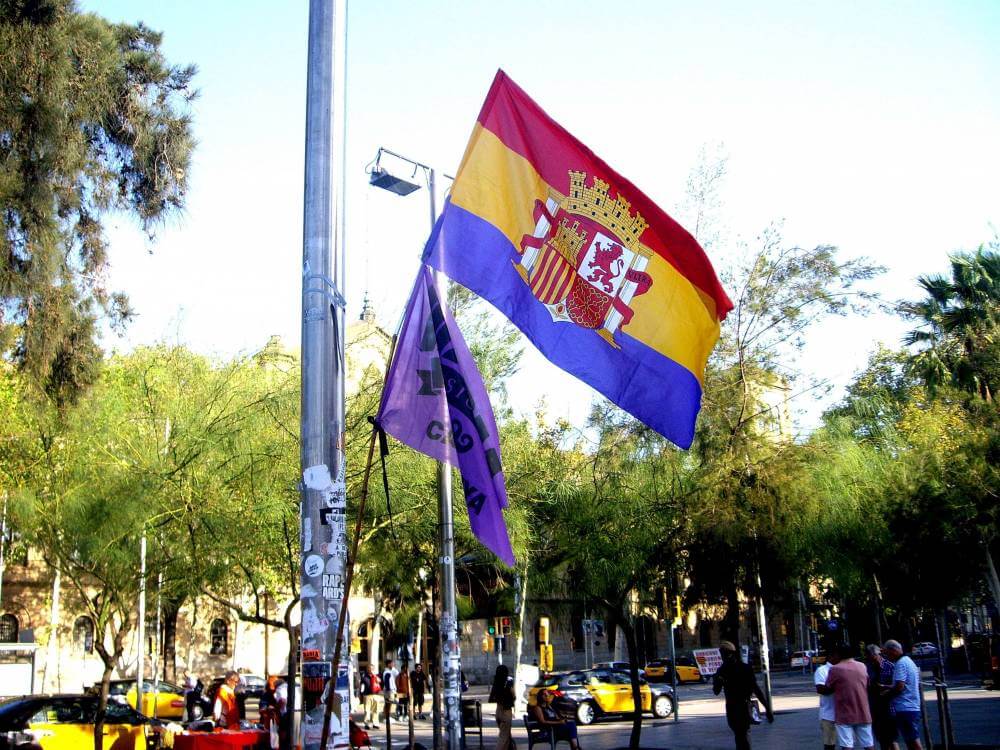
(66, 722)
(659, 670)
(591, 693)
(166, 698)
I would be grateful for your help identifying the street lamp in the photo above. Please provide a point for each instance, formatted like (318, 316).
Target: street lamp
(449, 665)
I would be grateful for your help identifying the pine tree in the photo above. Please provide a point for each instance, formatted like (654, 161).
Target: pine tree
(93, 120)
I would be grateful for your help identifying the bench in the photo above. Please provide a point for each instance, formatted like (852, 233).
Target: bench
(472, 720)
(537, 733)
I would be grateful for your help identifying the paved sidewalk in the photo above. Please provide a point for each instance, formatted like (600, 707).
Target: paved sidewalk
(975, 717)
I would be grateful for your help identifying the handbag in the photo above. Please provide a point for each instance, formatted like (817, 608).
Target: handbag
(754, 709)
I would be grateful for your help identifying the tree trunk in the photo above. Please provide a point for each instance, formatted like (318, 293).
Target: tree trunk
(731, 622)
(109, 659)
(994, 580)
(633, 670)
(293, 668)
(171, 611)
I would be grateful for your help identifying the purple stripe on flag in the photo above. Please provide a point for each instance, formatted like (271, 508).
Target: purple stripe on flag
(435, 402)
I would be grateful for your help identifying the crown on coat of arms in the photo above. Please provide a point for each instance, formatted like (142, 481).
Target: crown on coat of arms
(595, 202)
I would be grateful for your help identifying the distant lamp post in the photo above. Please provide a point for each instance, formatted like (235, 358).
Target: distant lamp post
(449, 669)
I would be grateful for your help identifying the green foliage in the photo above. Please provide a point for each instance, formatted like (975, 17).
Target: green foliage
(959, 324)
(93, 119)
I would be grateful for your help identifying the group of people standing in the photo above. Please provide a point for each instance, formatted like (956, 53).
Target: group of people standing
(875, 701)
(392, 694)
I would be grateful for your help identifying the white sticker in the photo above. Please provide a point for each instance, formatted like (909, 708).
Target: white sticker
(307, 534)
(313, 565)
(317, 477)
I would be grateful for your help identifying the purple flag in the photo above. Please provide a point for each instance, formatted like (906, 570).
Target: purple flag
(435, 402)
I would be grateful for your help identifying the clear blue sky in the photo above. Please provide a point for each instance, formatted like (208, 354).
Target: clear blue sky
(872, 126)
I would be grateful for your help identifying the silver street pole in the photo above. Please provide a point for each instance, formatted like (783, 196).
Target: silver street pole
(451, 658)
(324, 533)
(140, 669)
(3, 546)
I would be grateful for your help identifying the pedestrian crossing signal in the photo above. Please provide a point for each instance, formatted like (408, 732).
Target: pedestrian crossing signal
(491, 629)
(505, 627)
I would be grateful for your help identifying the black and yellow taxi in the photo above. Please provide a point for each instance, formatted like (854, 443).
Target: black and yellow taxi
(589, 694)
(658, 670)
(67, 722)
(161, 699)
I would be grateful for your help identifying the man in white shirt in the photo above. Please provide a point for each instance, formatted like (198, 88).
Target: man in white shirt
(827, 726)
(389, 675)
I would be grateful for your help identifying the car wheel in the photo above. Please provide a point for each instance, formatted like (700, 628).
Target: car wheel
(196, 712)
(585, 713)
(663, 706)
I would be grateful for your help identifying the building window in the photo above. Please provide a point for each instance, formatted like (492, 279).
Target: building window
(83, 635)
(8, 629)
(220, 637)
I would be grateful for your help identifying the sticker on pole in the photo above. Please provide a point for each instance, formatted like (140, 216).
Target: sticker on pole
(708, 660)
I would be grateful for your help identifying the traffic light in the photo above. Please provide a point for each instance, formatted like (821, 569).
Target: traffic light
(355, 645)
(543, 629)
(505, 626)
(678, 614)
(491, 629)
(545, 661)
(487, 643)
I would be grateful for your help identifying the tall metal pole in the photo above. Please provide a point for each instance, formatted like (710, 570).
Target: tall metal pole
(765, 660)
(451, 658)
(140, 667)
(324, 532)
(156, 643)
(3, 546)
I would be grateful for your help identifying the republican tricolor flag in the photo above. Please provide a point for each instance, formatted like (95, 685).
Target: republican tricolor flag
(601, 280)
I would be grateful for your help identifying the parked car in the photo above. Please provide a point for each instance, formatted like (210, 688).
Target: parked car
(590, 694)
(66, 722)
(167, 698)
(658, 670)
(924, 648)
(800, 658)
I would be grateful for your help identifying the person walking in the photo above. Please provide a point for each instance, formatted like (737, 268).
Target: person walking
(502, 694)
(403, 691)
(904, 694)
(847, 682)
(418, 685)
(389, 675)
(370, 689)
(827, 715)
(879, 682)
(738, 681)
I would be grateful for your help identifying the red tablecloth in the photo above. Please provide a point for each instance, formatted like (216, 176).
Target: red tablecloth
(225, 740)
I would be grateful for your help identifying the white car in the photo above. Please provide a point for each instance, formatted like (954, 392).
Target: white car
(924, 648)
(801, 658)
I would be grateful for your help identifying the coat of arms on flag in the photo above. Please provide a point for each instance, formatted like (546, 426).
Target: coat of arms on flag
(584, 261)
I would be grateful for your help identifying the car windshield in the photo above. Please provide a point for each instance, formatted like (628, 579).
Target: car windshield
(118, 713)
(549, 681)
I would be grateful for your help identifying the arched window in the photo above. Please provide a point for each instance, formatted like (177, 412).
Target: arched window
(8, 629)
(83, 635)
(219, 633)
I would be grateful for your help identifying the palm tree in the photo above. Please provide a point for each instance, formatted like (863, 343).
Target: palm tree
(959, 324)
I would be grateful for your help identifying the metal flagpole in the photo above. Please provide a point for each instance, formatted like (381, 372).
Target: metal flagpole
(451, 658)
(324, 532)
(140, 668)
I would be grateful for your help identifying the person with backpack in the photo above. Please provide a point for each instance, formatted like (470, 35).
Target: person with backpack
(371, 687)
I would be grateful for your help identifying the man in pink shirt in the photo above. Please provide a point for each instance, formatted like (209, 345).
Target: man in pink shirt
(848, 683)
